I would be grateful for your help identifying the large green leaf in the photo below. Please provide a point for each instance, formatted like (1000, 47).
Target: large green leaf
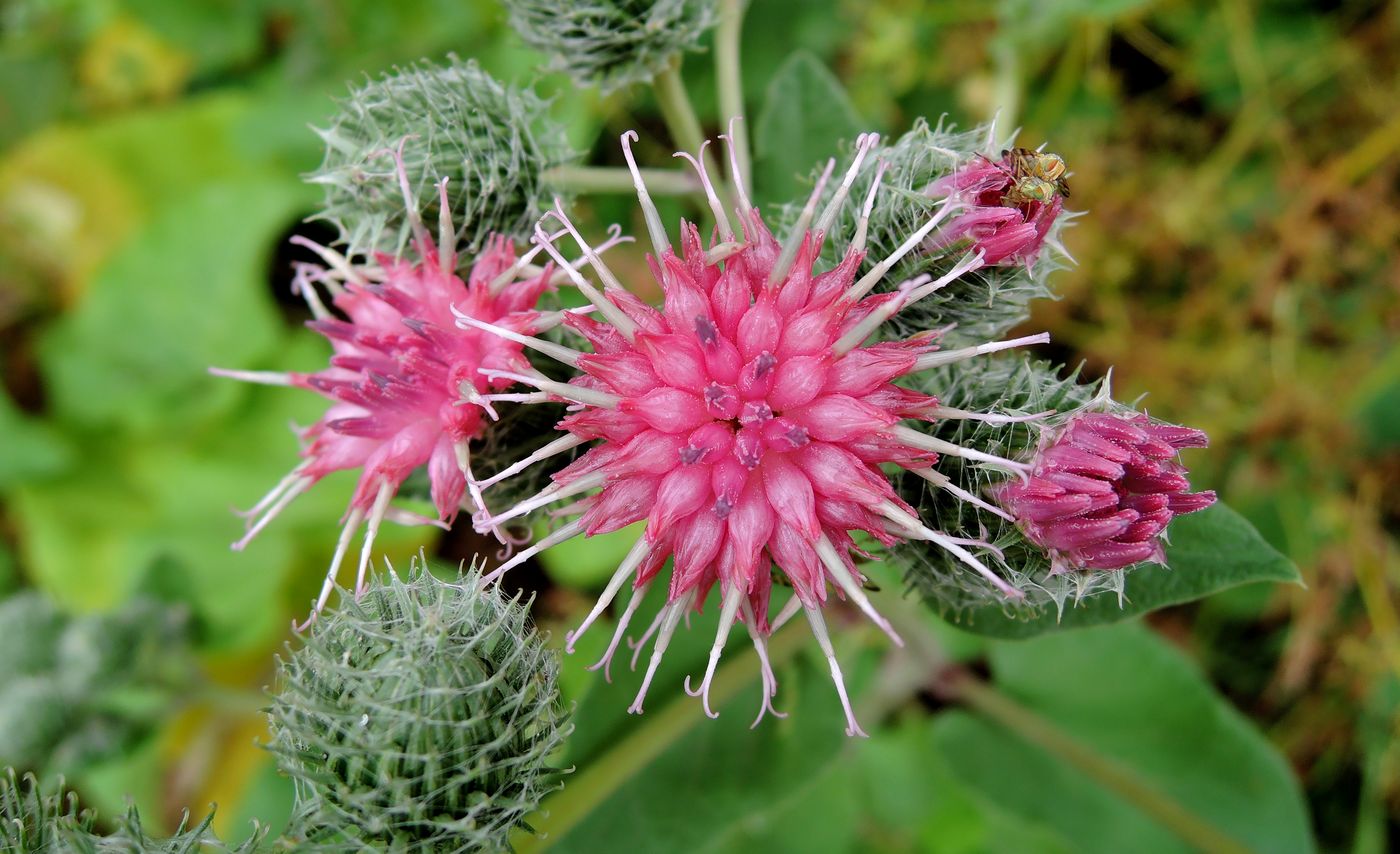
(804, 117)
(186, 292)
(1130, 698)
(1212, 550)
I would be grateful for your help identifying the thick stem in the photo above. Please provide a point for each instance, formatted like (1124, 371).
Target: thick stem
(731, 87)
(612, 179)
(586, 790)
(1118, 779)
(684, 125)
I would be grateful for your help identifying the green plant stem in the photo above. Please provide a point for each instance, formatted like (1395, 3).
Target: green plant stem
(731, 87)
(684, 125)
(611, 179)
(1120, 780)
(584, 791)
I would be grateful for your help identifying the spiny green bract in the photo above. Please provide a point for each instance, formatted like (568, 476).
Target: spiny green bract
(611, 43)
(1005, 385)
(419, 718)
(492, 142)
(35, 822)
(983, 304)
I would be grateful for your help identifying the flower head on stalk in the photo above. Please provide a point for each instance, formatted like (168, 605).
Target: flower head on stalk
(1012, 202)
(746, 421)
(404, 382)
(1103, 489)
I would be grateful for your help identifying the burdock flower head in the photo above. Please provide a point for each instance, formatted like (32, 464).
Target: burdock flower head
(1103, 489)
(400, 370)
(747, 420)
(1012, 202)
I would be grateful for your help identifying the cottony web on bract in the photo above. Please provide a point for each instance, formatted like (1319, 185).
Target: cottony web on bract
(747, 419)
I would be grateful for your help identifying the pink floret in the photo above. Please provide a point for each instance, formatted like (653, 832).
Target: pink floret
(1101, 495)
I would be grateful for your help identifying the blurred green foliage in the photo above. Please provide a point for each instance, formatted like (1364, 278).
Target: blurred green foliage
(1238, 164)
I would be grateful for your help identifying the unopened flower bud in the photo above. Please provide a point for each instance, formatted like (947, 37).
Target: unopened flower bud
(492, 142)
(611, 43)
(421, 717)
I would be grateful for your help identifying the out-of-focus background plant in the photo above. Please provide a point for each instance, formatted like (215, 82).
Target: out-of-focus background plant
(1238, 162)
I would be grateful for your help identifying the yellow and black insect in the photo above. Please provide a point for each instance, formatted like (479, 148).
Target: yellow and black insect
(1039, 165)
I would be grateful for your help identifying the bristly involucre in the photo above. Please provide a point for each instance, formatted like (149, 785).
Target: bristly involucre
(750, 422)
(1048, 575)
(611, 43)
(421, 717)
(492, 141)
(914, 172)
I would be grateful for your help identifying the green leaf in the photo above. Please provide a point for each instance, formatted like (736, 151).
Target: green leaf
(186, 292)
(804, 118)
(1133, 701)
(31, 447)
(1215, 549)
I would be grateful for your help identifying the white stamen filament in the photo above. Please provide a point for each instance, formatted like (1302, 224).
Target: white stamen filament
(559, 352)
(551, 494)
(633, 602)
(547, 320)
(447, 237)
(864, 144)
(553, 538)
(851, 587)
(924, 442)
(410, 203)
(521, 397)
(564, 443)
(376, 517)
(735, 172)
(789, 610)
(522, 266)
(953, 414)
(659, 241)
(607, 307)
(942, 481)
(918, 530)
(285, 483)
(352, 523)
(863, 224)
(799, 228)
(945, 357)
(732, 598)
(814, 617)
(868, 281)
(591, 397)
(462, 451)
(258, 377)
(722, 251)
(726, 232)
(292, 490)
(333, 259)
(966, 264)
(770, 682)
(673, 613)
(876, 318)
(590, 255)
(625, 570)
(303, 285)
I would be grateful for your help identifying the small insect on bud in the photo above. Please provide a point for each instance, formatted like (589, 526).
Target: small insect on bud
(611, 43)
(492, 142)
(1104, 488)
(420, 718)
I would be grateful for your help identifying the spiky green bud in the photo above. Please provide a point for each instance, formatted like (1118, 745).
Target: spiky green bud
(35, 822)
(420, 718)
(611, 43)
(983, 304)
(493, 142)
(1005, 386)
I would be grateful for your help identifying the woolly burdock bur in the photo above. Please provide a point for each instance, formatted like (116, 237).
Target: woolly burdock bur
(492, 141)
(747, 421)
(611, 43)
(420, 717)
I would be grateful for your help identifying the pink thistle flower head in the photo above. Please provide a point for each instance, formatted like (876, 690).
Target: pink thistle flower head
(1103, 489)
(405, 384)
(746, 421)
(1011, 203)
